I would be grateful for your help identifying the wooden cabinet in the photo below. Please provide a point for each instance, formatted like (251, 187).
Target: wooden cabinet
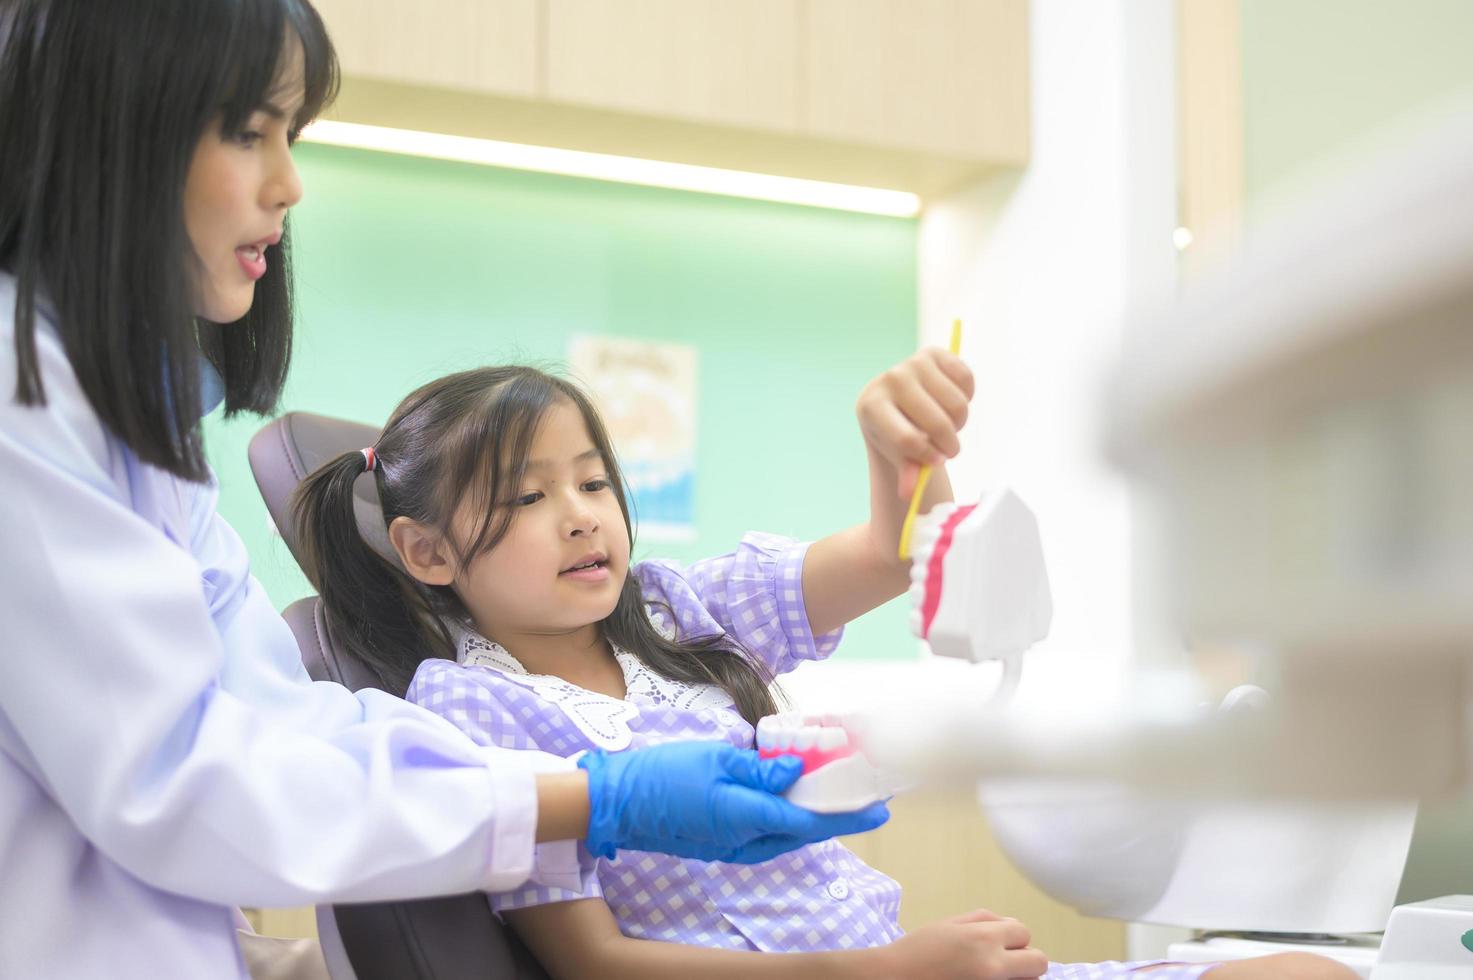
(710, 61)
(480, 45)
(918, 95)
(944, 76)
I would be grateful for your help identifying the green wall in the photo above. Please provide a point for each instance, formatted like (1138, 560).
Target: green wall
(410, 268)
(1318, 76)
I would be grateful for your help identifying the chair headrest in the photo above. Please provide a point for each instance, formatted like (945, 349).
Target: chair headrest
(292, 446)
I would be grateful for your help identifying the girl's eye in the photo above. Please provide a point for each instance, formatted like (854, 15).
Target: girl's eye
(248, 138)
(528, 499)
(593, 486)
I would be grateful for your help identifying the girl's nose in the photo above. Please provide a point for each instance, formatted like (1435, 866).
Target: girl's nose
(581, 523)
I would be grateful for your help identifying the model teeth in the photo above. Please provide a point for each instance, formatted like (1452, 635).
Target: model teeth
(794, 732)
(926, 533)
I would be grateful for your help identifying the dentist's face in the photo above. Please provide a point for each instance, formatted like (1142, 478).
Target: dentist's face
(236, 196)
(563, 561)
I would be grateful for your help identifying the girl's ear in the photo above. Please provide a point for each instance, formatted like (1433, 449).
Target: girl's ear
(423, 551)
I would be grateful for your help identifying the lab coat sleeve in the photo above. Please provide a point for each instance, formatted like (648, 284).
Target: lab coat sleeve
(156, 696)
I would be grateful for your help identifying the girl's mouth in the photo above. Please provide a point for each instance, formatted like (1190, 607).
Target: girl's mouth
(593, 571)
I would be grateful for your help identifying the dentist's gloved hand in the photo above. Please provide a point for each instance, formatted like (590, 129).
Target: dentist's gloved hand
(707, 800)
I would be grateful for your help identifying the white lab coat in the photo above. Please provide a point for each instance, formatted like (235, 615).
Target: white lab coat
(164, 756)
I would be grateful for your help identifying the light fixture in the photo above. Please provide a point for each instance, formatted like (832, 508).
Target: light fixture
(628, 170)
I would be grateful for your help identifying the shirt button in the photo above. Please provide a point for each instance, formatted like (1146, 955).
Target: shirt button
(838, 889)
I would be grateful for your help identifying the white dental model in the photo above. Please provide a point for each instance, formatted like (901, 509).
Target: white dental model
(980, 592)
(837, 778)
(979, 589)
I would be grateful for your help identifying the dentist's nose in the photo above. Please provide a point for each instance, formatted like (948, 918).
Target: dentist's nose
(283, 189)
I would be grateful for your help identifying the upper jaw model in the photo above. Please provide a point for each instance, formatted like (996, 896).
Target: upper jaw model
(979, 588)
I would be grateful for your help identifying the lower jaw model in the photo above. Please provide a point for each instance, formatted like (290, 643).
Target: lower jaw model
(837, 776)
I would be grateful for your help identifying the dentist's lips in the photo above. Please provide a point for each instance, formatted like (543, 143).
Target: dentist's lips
(252, 257)
(590, 568)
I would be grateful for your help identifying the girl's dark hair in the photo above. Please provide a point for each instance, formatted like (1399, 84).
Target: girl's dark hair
(102, 104)
(465, 439)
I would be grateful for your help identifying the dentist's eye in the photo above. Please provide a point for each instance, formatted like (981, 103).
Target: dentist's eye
(527, 499)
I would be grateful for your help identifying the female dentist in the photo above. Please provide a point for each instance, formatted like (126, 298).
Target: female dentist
(163, 755)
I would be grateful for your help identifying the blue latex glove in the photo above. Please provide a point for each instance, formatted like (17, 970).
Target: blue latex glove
(705, 800)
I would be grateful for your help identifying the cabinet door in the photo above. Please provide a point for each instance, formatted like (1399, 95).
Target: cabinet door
(485, 46)
(725, 62)
(945, 76)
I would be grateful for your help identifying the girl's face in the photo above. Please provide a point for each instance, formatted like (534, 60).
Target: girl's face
(236, 196)
(563, 561)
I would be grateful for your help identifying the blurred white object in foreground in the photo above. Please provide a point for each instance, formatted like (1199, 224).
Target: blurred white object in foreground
(1300, 424)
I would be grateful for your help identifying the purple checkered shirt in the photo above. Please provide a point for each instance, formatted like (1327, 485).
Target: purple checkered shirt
(819, 897)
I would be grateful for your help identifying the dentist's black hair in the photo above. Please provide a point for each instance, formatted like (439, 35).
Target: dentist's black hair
(464, 439)
(102, 104)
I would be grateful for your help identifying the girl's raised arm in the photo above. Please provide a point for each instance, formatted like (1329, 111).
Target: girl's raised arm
(910, 416)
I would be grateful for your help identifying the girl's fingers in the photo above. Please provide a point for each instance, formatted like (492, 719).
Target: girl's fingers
(1007, 933)
(979, 915)
(926, 413)
(1025, 964)
(955, 369)
(944, 389)
(897, 437)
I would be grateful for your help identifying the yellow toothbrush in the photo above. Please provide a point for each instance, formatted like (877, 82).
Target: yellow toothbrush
(924, 476)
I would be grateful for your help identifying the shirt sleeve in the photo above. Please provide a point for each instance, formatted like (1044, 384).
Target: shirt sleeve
(754, 594)
(151, 690)
(467, 698)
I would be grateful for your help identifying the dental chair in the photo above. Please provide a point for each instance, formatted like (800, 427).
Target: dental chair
(428, 939)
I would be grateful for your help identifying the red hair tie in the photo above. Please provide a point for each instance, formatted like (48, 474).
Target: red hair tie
(370, 459)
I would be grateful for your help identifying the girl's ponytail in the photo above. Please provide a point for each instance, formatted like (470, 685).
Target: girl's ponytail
(381, 615)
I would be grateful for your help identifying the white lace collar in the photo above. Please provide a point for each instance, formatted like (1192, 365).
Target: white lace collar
(604, 720)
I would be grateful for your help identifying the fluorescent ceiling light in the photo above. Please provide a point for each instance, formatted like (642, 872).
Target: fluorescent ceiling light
(628, 170)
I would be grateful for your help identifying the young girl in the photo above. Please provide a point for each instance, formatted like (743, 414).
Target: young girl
(512, 609)
(163, 755)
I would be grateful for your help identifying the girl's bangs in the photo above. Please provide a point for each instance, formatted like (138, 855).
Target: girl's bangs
(494, 446)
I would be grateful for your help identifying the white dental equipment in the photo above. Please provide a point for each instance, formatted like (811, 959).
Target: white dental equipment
(1299, 426)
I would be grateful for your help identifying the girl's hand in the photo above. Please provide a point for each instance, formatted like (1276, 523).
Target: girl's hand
(911, 414)
(975, 946)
